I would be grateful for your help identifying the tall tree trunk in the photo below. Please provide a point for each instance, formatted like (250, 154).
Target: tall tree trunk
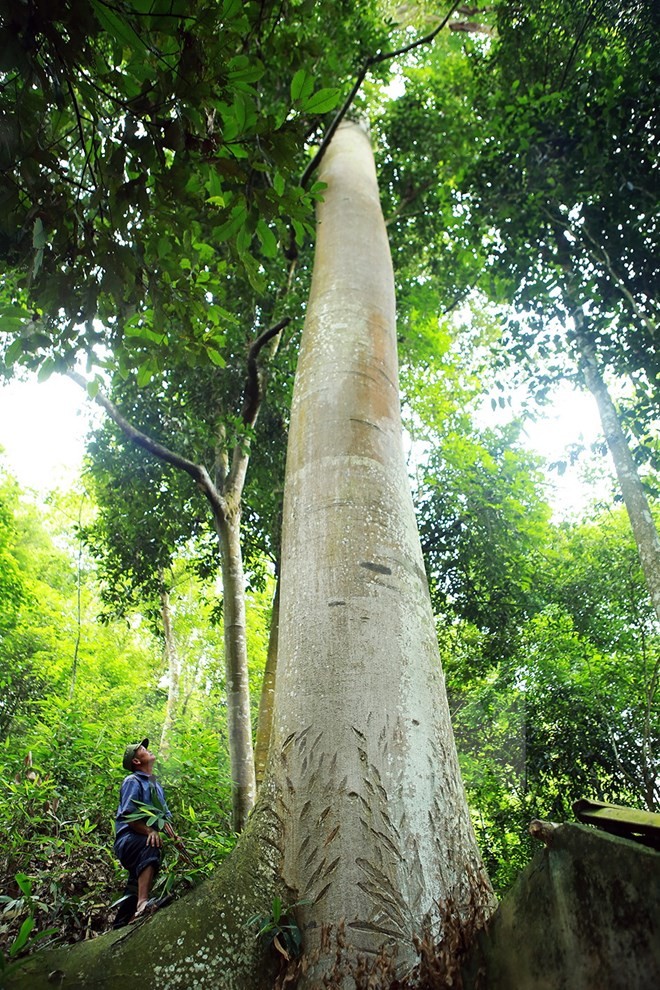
(362, 813)
(267, 699)
(637, 506)
(375, 823)
(239, 721)
(173, 673)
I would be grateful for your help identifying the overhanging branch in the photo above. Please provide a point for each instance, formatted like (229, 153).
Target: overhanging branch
(197, 472)
(371, 61)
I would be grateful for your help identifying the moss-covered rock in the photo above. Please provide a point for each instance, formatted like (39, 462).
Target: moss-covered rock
(585, 915)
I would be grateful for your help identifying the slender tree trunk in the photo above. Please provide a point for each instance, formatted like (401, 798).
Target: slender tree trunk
(76, 648)
(173, 674)
(239, 721)
(639, 513)
(267, 699)
(375, 823)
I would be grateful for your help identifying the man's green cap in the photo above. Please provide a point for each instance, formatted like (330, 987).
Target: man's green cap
(129, 753)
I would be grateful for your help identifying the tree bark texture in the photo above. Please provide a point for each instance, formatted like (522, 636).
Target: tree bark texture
(239, 719)
(637, 506)
(375, 823)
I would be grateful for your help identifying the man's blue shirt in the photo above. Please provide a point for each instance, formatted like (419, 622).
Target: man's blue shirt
(138, 786)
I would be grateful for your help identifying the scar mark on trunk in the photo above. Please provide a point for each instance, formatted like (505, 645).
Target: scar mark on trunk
(332, 604)
(366, 926)
(331, 868)
(331, 836)
(287, 742)
(377, 568)
(323, 892)
(387, 842)
(367, 422)
(317, 873)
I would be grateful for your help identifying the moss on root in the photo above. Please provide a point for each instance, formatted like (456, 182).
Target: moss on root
(201, 941)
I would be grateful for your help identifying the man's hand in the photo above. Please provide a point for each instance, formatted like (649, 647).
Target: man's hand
(154, 838)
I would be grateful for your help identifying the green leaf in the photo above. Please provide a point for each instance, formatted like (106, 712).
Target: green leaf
(256, 277)
(13, 318)
(214, 184)
(14, 351)
(231, 9)
(115, 26)
(24, 883)
(46, 370)
(146, 372)
(215, 357)
(242, 70)
(299, 232)
(38, 234)
(276, 908)
(230, 227)
(22, 937)
(267, 238)
(322, 101)
(302, 85)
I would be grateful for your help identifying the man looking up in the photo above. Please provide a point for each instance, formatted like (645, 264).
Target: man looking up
(139, 846)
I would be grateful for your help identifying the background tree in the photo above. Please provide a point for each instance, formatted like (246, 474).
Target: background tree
(561, 192)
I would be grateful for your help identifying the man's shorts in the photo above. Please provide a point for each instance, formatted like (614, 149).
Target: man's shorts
(135, 855)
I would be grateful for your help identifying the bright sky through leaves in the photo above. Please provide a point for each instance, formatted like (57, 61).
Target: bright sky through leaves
(43, 428)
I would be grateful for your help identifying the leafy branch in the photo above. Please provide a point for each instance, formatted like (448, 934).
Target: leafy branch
(370, 62)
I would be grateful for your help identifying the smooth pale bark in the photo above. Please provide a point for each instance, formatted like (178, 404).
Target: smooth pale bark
(362, 813)
(376, 827)
(267, 698)
(173, 674)
(637, 506)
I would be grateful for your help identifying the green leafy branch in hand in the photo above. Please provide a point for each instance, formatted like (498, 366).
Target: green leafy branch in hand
(151, 813)
(280, 929)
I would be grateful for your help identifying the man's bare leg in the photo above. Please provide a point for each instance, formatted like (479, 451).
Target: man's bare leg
(145, 882)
